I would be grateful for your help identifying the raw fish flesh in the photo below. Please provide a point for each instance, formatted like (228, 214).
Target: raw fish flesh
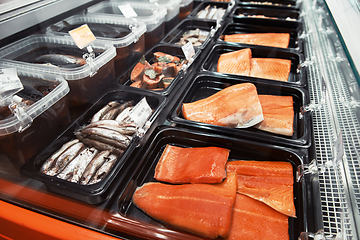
(192, 165)
(280, 40)
(270, 182)
(202, 209)
(235, 106)
(278, 114)
(255, 220)
(271, 68)
(237, 62)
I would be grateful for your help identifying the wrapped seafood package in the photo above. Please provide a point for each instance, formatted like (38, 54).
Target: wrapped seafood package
(152, 15)
(235, 207)
(89, 75)
(186, 6)
(27, 115)
(126, 35)
(95, 152)
(209, 10)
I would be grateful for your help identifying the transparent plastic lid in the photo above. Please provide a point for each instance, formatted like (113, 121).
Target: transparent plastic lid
(184, 3)
(26, 115)
(10, 52)
(172, 6)
(148, 13)
(126, 30)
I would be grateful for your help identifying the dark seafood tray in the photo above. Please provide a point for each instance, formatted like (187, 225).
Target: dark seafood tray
(285, 4)
(204, 4)
(98, 192)
(281, 14)
(296, 77)
(134, 221)
(168, 49)
(189, 24)
(295, 44)
(205, 85)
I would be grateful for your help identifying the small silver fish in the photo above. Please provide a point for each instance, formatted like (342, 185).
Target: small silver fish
(104, 169)
(97, 116)
(60, 59)
(93, 166)
(100, 145)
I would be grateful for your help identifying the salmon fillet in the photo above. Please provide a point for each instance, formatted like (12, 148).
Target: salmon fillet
(192, 165)
(280, 40)
(255, 220)
(266, 181)
(271, 68)
(235, 106)
(237, 62)
(278, 114)
(202, 209)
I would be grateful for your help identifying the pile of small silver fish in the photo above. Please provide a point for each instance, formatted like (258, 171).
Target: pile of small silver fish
(88, 158)
(197, 37)
(211, 12)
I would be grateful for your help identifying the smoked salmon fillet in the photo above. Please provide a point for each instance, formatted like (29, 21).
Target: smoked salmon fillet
(266, 181)
(192, 165)
(237, 62)
(280, 40)
(255, 220)
(278, 114)
(271, 68)
(235, 106)
(202, 209)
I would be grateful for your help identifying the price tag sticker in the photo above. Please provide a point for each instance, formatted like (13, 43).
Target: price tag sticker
(9, 82)
(127, 11)
(188, 50)
(82, 36)
(338, 150)
(141, 112)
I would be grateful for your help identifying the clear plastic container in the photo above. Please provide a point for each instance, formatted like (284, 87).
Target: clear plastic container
(124, 34)
(40, 107)
(186, 6)
(153, 16)
(87, 82)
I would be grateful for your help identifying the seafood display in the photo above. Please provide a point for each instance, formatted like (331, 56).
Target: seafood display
(158, 75)
(278, 114)
(235, 106)
(252, 219)
(211, 12)
(242, 63)
(197, 37)
(192, 165)
(266, 17)
(280, 40)
(176, 205)
(89, 157)
(268, 3)
(266, 181)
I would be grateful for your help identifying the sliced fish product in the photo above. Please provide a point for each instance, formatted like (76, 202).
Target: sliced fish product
(270, 182)
(192, 165)
(202, 209)
(93, 166)
(104, 169)
(235, 106)
(280, 40)
(271, 68)
(236, 62)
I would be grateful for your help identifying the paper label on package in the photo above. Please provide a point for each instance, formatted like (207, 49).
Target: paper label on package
(9, 83)
(82, 36)
(338, 150)
(140, 113)
(188, 50)
(127, 11)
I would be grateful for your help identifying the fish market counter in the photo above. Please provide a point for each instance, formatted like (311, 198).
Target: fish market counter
(194, 120)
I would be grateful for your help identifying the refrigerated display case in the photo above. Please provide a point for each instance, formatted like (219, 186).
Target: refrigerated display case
(323, 150)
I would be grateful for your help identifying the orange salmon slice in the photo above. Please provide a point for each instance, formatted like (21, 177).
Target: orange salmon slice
(237, 62)
(202, 209)
(271, 68)
(280, 40)
(278, 114)
(235, 106)
(192, 165)
(255, 220)
(266, 181)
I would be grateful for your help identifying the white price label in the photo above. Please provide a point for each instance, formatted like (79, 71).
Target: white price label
(140, 113)
(127, 11)
(9, 82)
(338, 150)
(188, 50)
(82, 36)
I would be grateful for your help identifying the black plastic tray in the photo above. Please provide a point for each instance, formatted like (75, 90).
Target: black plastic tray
(134, 221)
(165, 48)
(281, 14)
(297, 74)
(283, 4)
(189, 24)
(205, 85)
(98, 192)
(295, 43)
